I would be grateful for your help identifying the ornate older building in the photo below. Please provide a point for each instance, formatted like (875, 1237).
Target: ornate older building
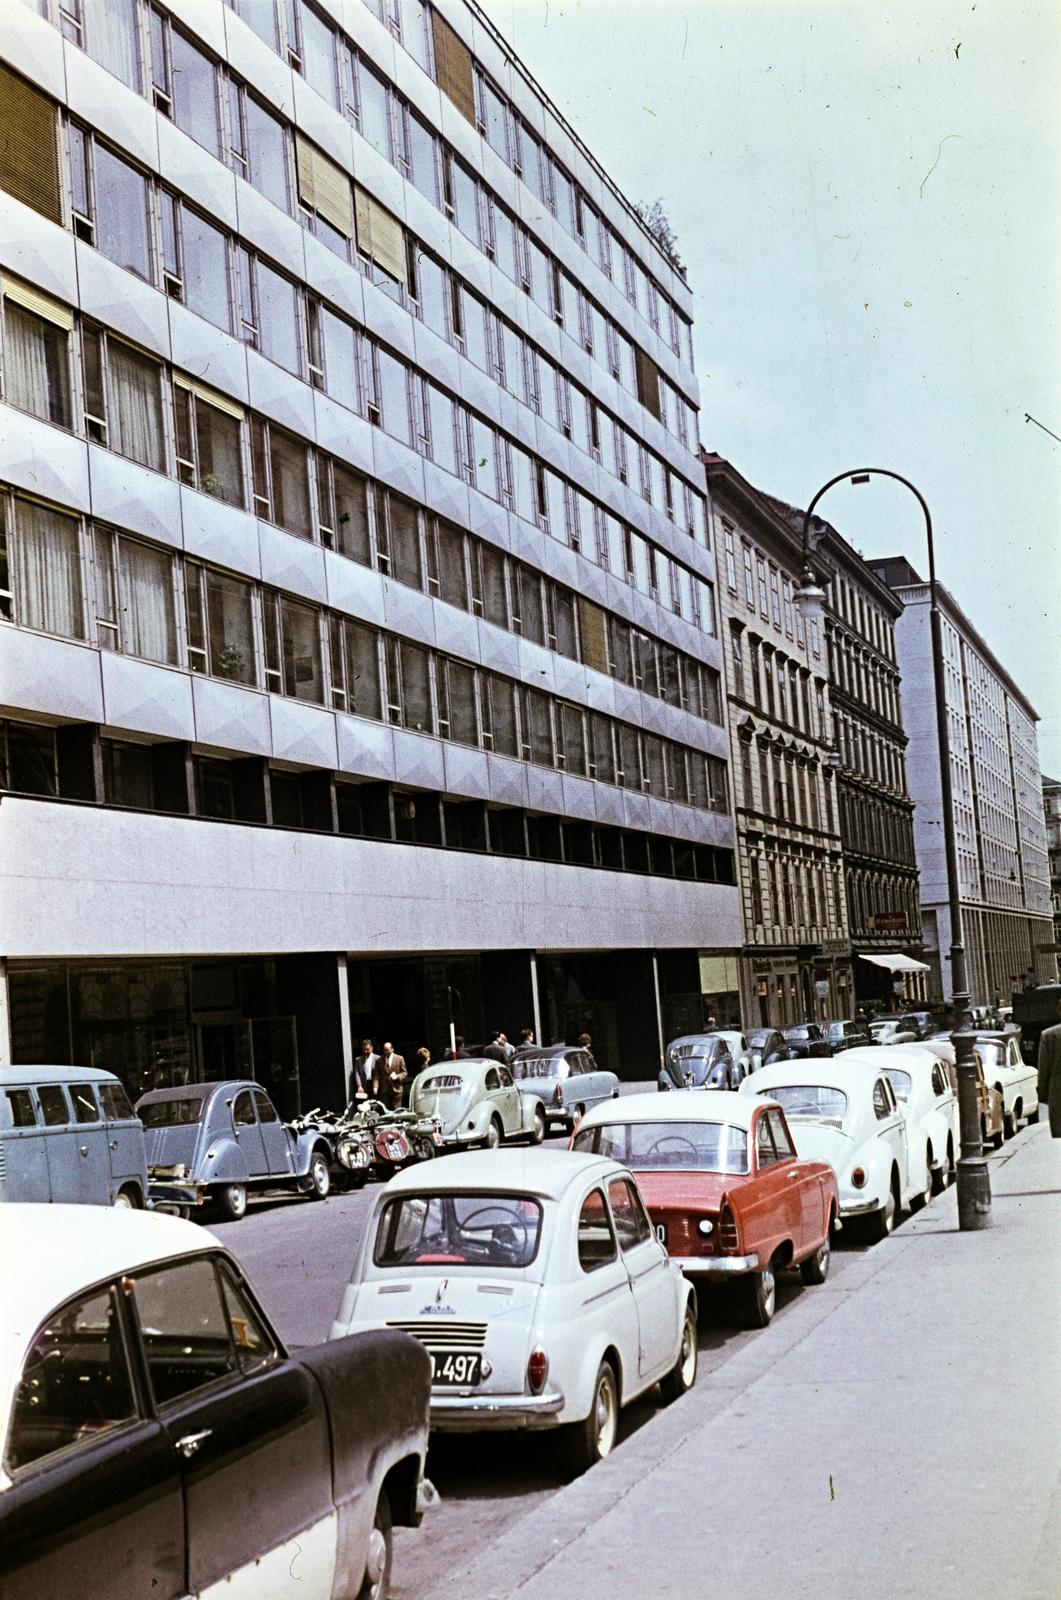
(796, 955)
(876, 811)
(1052, 807)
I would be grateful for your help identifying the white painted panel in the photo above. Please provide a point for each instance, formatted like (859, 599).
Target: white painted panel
(208, 353)
(263, 224)
(222, 534)
(35, 50)
(146, 698)
(303, 733)
(53, 676)
(290, 563)
(299, 1569)
(105, 103)
(231, 718)
(280, 395)
(38, 250)
(44, 460)
(194, 172)
(122, 301)
(134, 497)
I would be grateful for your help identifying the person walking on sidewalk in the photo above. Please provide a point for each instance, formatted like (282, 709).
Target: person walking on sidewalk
(1049, 1065)
(388, 1080)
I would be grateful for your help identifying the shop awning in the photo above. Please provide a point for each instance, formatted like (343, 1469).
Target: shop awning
(895, 961)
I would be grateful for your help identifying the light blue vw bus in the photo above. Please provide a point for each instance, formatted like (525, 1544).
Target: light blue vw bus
(69, 1133)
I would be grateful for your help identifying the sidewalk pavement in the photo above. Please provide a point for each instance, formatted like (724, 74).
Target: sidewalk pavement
(894, 1435)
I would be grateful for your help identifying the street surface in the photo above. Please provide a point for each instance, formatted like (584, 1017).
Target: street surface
(297, 1253)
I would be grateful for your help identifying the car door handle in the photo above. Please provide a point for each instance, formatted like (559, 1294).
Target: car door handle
(82, 1149)
(191, 1442)
(114, 1144)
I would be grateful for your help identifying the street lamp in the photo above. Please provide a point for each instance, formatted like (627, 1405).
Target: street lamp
(974, 1187)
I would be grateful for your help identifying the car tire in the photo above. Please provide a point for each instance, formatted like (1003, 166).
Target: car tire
(128, 1199)
(680, 1379)
(494, 1135)
(231, 1201)
(590, 1440)
(759, 1290)
(997, 1139)
(1033, 1116)
(320, 1177)
(1010, 1121)
(882, 1222)
(537, 1133)
(377, 1578)
(919, 1201)
(942, 1175)
(815, 1269)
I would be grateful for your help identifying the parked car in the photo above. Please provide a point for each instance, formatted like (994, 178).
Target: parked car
(702, 1061)
(158, 1439)
(727, 1193)
(537, 1286)
(845, 1035)
(893, 1030)
(923, 1023)
(767, 1045)
(1007, 1071)
(845, 1112)
(70, 1134)
(478, 1102)
(924, 1091)
(806, 1039)
(566, 1077)
(221, 1140)
(989, 1100)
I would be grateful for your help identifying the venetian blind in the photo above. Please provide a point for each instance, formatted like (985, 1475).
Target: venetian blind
(29, 146)
(593, 629)
(453, 67)
(647, 382)
(324, 187)
(23, 294)
(380, 236)
(211, 396)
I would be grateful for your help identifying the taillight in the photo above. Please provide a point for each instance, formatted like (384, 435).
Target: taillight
(727, 1228)
(858, 1177)
(537, 1370)
(558, 1095)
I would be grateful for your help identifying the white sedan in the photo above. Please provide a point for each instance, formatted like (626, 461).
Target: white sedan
(536, 1283)
(845, 1112)
(892, 1030)
(922, 1086)
(1006, 1070)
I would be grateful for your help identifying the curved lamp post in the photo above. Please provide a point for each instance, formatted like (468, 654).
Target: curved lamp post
(974, 1188)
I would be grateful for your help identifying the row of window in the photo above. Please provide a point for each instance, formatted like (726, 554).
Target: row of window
(858, 674)
(765, 588)
(873, 894)
(867, 753)
(170, 779)
(873, 828)
(147, 602)
(789, 892)
(863, 617)
(219, 112)
(784, 788)
(778, 686)
(72, 373)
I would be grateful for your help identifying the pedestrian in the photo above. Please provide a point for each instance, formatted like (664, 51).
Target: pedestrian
(388, 1080)
(423, 1058)
(507, 1046)
(494, 1050)
(459, 1052)
(1050, 1074)
(363, 1069)
(526, 1037)
(586, 1043)
(711, 1024)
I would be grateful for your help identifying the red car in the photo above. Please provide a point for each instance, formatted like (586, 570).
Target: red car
(727, 1192)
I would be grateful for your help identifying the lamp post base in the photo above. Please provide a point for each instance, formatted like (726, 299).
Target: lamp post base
(974, 1180)
(974, 1194)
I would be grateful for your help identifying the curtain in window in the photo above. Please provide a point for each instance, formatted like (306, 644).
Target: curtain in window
(25, 364)
(47, 571)
(147, 602)
(110, 37)
(136, 403)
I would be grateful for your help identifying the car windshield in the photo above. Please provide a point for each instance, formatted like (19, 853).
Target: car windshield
(901, 1082)
(798, 1033)
(459, 1230)
(441, 1083)
(835, 1030)
(669, 1146)
(760, 1036)
(811, 1100)
(539, 1067)
(171, 1113)
(696, 1050)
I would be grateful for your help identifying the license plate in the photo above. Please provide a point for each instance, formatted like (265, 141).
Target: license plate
(453, 1370)
(661, 1233)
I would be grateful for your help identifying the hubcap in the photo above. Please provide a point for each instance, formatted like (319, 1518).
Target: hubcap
(889, 1213)
(768, 1291)
(605, 1411)
(688, 1352)
(320, 1177)
(823, 1258)
(122, 1202)
(493, 1138)
(237, 1199)
(376, 1564)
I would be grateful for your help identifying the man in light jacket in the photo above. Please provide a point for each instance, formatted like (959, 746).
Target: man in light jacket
(388, 1080)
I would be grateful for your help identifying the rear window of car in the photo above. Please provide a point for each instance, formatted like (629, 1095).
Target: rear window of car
(900, 1082)
(809, 1100)
(441, 1083)
(459, 1230)
(669, 1146)
(20, 1110)
(540, 1067)
(172, 1113)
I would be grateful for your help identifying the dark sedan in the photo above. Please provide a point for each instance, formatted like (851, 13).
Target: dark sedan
(805, 1040)
(767, 1047)
(846, 1036)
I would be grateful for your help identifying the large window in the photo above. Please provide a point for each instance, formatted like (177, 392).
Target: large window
(114, 197)
(203, 267)
(40, 568)
(134, 597)
(281, 478)
(209, 442)
(106, 30)
(134, 412)
(37, 354)
(292, 648)
(356, 685)
(220, 622)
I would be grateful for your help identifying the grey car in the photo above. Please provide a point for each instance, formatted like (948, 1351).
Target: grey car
(705, 1061)
(69, 1133)
(567, 1078)
(220, 1140)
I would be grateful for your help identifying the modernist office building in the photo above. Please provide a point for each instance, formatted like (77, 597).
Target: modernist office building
(1052, 807)
(359, 666)
(997, 812)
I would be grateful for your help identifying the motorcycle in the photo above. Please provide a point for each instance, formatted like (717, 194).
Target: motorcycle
(377, 1139)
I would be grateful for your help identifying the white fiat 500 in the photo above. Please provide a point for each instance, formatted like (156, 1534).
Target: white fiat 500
(845, 1112)
(923, 1089)
(536, 1283)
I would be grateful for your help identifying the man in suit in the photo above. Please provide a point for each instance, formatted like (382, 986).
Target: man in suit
(363, 1070)
(495, 1050)
(388, 1079)
(1050, 1074)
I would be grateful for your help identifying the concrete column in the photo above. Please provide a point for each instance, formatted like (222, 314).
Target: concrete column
(536, 1010)
(5, 1018)
(344, 1021)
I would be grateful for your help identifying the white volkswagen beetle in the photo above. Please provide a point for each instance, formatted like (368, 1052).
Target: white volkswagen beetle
(845, 1112)
(478, 1102)
(923, 1089)
(536, 1283)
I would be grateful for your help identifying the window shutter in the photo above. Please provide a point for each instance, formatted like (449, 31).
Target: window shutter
(593, 629)
(453, 67)
(380, 236)
(29, 146)
(324, 187)
(23, 294)
(647, 382)
(211, 396)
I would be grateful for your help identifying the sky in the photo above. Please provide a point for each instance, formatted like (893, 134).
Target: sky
(866, 197)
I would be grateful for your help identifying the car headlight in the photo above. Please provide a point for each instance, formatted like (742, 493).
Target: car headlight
(705, 1227)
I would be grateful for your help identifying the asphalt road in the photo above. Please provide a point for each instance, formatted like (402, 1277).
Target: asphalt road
(297, 1253)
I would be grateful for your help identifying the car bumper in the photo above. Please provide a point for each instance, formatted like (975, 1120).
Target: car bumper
(716, 1266)
(860, 1208)
(455, 1413)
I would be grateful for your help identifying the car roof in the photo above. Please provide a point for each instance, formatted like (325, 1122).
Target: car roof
(892, 1055)
(463, 1065)
(547, 1173)
(833, 1072)
(680, 1105)
(56, 1250)
(13, 1075)
(197, 1091)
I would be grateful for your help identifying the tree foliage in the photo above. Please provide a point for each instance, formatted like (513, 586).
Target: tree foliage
(658, 224)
